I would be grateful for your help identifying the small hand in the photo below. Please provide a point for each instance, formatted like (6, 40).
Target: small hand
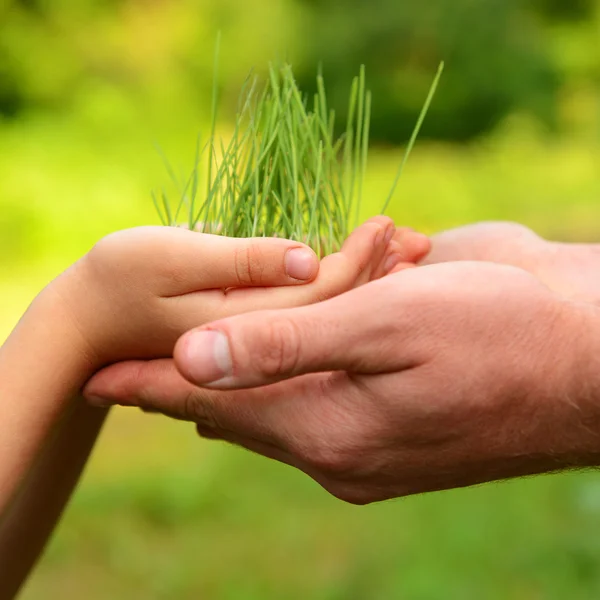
(443, 376)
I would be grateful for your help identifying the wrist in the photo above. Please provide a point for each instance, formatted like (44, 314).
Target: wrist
(81, 306)
(48, 342)
(573, 437)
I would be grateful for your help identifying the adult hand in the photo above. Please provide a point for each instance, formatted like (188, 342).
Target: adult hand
(443, 376)
(569, 269)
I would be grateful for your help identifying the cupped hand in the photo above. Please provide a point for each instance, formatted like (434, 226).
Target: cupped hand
(437, 377)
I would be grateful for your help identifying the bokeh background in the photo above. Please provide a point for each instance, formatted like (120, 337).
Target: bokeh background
(88, 87)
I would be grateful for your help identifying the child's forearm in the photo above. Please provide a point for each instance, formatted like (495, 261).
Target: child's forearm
(46, 432)
(31, 516)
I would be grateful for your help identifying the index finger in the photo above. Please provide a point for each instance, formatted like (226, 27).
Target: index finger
(265, 415)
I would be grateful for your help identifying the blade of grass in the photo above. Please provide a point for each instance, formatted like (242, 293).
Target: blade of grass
(414, 135)
(159, 210)
(213, 119)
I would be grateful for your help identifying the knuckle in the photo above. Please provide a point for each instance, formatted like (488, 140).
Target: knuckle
(121, 253)
(197, 409)
(279, 349)
(248, 263)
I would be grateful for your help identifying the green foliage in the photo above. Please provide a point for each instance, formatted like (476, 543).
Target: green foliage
(502, 55)
(560, 10)
(495, 60)
(284, 173)
(223, 524)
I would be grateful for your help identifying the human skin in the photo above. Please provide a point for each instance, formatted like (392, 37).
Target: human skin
(132, 296)
(452, 374)
(569, 269)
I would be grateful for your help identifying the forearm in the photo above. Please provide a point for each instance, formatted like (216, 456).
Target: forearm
(31, 516)
(46, 433)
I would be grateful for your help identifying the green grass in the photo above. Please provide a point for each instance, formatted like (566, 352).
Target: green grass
(162, 515)
(225, 524)
(285, 171)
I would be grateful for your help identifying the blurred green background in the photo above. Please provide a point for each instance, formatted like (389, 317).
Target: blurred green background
(87, 88)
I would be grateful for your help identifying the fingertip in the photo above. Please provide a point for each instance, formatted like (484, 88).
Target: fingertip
(301, 264)
(110, 386)
(382, 221)
(422, 245)
(401, 232)
(410, 245)
(96, 387)
(203, 357)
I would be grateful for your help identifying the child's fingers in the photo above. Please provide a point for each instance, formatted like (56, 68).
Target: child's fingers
(174, 261)
(149, 385)
(367, 252)
(407, 248)
(338, 273)
(414, 245)
(207, 262)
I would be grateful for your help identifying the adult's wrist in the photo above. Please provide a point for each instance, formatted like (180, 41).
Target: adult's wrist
(576, 438)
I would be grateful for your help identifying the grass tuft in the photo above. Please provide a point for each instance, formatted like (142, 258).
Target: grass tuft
(284, 172)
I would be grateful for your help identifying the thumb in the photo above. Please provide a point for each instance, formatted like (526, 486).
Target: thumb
(347, 333)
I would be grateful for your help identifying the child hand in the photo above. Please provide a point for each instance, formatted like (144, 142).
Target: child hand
(138, 290)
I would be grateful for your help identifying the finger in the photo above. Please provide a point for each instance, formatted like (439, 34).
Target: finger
(194, 261)
(380, 248)
(353, 264)
(352, 332)
(338, 273)
(153, 386)
(407, 248)
(157, 386)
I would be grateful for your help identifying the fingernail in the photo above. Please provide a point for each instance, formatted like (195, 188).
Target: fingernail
(207, 356)
(99, 402)
(392, 261)
(389, 235)
(378, 239)
(301, 264)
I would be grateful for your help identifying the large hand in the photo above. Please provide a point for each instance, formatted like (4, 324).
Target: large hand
(437, 377)
(570, 269)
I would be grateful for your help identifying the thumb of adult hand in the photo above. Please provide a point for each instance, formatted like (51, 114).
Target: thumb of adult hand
(255, 349)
